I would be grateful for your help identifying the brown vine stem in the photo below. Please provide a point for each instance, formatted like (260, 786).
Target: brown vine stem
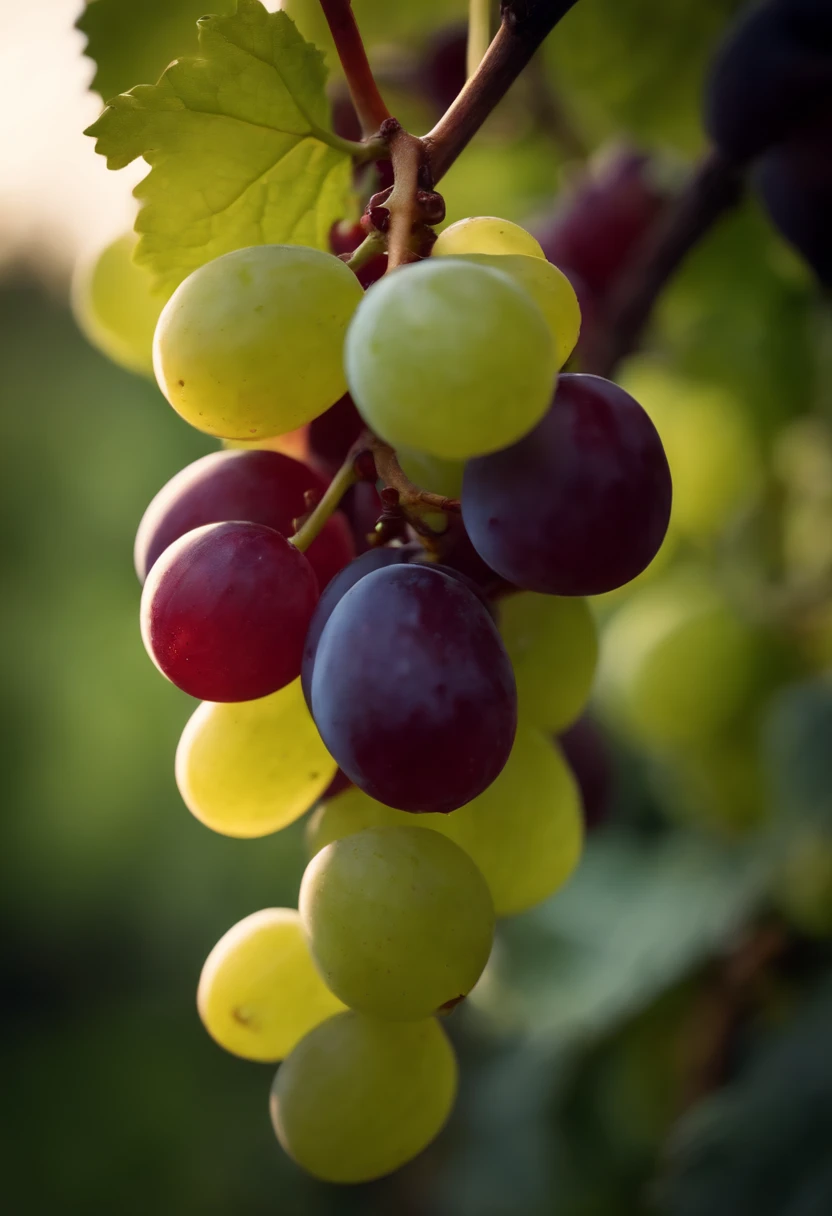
(523, 27)
(406, 154)
(714, 187)
(368, 101)
(410, 496)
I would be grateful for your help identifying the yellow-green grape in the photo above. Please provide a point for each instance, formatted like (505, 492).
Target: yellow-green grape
(804, 889)
(358, 1098)
(431, 473)
(399, 920)
(259, 992)
(524, 833)
(451, 359)
(114, 305)
(251, 344)
(250, 768)
(486, 234)
(552, 642)
(677, 664)
(709, 441)
(549, 288)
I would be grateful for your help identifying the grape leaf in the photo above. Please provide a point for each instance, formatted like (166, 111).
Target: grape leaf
(131, 42)
(238, 145)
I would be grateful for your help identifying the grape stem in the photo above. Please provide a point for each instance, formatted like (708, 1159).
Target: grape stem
(406, 155)
(346, 477)
(368, 101)
(713, 188)
(412, 500)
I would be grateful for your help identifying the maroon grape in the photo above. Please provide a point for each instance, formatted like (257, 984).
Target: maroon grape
(412, 690)
(443, 66)
(794, 181)
(588, 755)
(225, 611)
(582, 503)
(260, 487)
(603, 218)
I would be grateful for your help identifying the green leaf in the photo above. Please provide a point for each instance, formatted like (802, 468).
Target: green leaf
(131, 43)
(635, 918)
(238, 145)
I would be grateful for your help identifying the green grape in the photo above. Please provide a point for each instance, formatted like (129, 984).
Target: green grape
(399, 921)
(549, 288)
(486, 234)
(709, 441)
(431, 473)
(804, 885)
(524, 833)
(250, 768)
(114, 305)
(259, 992)
(358, 1098)
(677, 664)
(450, 359)
(251, 344)
(553, 646)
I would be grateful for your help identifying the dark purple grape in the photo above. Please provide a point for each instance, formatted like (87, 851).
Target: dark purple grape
(602, 219)
(362, 507)
(587, 754)
(337, 785)
(261, 487)
(794, 181)
(443, 66)
(772, 74)
(373, 559)
(225, 611)
(331, 435)
(412, 690)
(581, 504)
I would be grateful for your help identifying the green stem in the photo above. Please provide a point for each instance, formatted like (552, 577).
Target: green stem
(361, 152)
(337, 488)
(479, 33)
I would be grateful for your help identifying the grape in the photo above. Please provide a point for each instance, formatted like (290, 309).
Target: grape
(358, 1098)
(225, 611)
(251, 768)
(486, 234)
(293, 443)
(256, 486)
(603, 218)
(431, 473)
(259, 992)
(399, 921)
(373, 559)
(586, 751)
(772, 73)
(443, 66)
(523, 833)
(553, 646)
(579, 506)
(450, 359)
(333, 433)
(114, 306)
(550, 289)
(250, 345)
(677, 664)
(795, 183)
(412, 690)
(362, 507)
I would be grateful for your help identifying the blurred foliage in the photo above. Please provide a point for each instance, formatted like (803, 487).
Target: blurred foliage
(655, 1041)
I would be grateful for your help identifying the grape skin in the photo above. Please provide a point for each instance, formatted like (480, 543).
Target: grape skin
(524, 833)
(408, 666)
(114, 305)
(549, 288)
(225, 611)
(259, 992)
(552, 642)
(250, 345)
(252, 768)
(259, 487)
(450, 360)
(581, 505)
(399, 921)
(795, 183)
(358, 1098)
(486, 234)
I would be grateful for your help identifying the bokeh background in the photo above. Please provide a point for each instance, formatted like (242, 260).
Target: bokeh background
(658, 1037)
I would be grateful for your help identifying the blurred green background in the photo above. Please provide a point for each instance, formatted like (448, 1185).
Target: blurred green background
(657, 1038)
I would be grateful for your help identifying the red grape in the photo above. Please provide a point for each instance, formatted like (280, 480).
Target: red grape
(225, 611)
(582, 503)
(262, 487)
(412, 690)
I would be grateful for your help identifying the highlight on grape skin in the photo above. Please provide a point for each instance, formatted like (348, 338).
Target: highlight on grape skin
(250, 344)
(225, 611)
(259, 992)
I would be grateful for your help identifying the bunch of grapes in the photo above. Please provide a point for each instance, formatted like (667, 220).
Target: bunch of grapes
(392, 691)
